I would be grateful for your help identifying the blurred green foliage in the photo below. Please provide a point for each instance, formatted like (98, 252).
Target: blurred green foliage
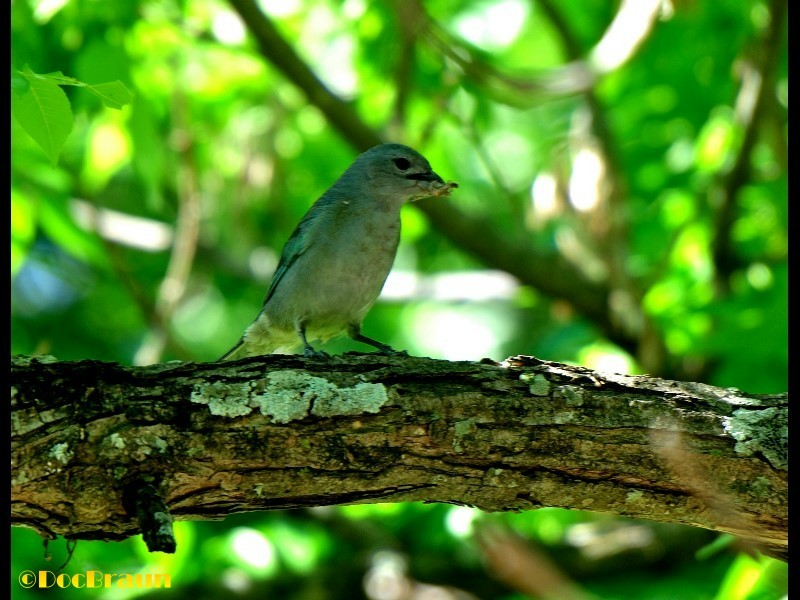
(660, 175)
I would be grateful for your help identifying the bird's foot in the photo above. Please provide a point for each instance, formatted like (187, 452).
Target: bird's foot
(380, 346)
(309, 352)
(389, 351)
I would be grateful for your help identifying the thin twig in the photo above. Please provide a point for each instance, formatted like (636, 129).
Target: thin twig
(187, 231)
(758, 75)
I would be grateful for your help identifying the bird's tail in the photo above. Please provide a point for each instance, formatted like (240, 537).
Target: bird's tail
(233, 352)
(261, 338)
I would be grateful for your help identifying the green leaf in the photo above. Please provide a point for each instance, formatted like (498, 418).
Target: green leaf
(18, 82)
(57, 77)
(114, 94)
(44, 112)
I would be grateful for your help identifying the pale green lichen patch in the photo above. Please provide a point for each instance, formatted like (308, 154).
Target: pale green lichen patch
(143, 445)
(362, 398)
(224, 400)
(563, 418)
(291, 395)
(286, 395)
(765, 431)
(501, 478)
(24, 421)
(537, 384)
(26, 361)
(133, 444)
(159, 444)
(735, 399)
(462, 429)
(634, 496)
(61, 452)
(573, 396)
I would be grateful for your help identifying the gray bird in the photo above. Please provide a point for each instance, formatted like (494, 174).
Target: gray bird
(335, 263)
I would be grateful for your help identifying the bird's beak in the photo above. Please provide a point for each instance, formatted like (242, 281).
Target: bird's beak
(429, 176)
(431, 184)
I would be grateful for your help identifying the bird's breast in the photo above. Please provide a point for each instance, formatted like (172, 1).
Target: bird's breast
(339, 276)
(356, 260)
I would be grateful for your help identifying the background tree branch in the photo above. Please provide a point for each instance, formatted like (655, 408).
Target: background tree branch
(756, 71)
(285, 432)
(546, 271)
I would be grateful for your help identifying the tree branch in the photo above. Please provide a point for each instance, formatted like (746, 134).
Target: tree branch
(757, 73)
(93, 442)
(281, 54)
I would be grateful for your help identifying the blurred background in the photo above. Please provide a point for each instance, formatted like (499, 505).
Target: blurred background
(622, 205)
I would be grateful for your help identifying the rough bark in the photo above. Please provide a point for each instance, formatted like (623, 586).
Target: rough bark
(103, 451)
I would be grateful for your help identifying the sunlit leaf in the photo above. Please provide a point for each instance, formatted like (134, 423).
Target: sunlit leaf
(44, 112)
(19, 83)
(113, 94)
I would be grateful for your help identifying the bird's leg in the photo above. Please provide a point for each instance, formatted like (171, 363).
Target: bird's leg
(308, 351)
(354, 331)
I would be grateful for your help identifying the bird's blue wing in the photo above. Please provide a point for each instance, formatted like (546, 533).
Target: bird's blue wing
(297, 243)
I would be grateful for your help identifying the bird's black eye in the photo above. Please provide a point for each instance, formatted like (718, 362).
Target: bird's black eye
(401, 163)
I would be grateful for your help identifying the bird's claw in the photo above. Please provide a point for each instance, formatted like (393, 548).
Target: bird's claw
(309, 352)
(389, 351)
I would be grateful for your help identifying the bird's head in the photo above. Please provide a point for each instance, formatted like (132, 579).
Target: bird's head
(401, 173)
